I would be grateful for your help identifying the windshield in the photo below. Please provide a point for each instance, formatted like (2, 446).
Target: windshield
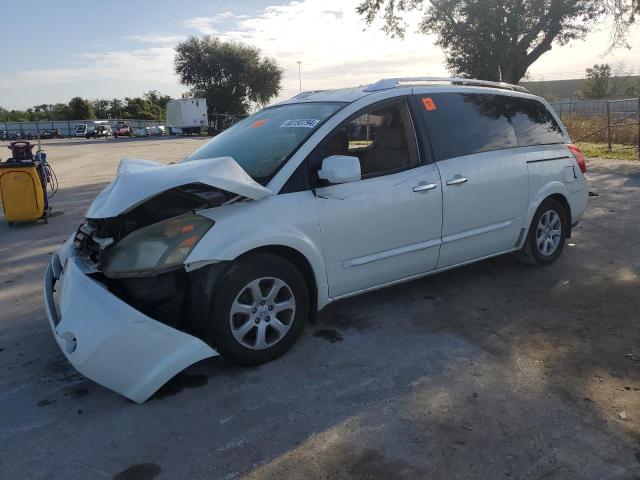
(261, 143)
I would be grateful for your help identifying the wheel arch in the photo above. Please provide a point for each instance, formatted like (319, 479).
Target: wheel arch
(558, 192)
(567, 208)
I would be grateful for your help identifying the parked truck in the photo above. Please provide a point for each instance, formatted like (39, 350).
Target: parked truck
(187, 115)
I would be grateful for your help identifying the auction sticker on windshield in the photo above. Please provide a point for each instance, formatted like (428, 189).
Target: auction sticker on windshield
(300, 123)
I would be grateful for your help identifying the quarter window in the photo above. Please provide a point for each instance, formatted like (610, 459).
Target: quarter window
(382, 138)
(533, 122)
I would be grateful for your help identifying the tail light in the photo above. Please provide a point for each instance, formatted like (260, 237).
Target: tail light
(579, 156)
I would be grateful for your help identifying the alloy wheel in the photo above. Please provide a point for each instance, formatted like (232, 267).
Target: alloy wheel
(548, 233)
(262, 313)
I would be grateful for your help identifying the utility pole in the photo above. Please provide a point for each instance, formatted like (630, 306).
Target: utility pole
(299, 75)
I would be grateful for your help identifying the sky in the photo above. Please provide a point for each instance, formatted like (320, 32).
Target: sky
(94, 50)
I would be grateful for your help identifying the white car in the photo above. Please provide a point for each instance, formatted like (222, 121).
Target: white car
(324, 196)
(141, 132)
(155, 130)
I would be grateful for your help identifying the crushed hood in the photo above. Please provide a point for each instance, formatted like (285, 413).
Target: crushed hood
(139, 180)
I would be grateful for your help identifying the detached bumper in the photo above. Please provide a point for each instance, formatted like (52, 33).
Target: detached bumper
(106, 339)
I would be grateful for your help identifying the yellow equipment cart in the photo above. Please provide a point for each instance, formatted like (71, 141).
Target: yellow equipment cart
(23, 180)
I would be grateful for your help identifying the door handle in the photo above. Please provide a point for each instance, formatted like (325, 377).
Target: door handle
(424, 187)
(457, 180)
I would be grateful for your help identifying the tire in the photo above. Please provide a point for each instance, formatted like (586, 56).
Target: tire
(237, 335)
(547, 234)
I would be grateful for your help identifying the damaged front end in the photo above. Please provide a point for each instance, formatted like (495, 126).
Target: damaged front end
(139, 255)
(121, 315)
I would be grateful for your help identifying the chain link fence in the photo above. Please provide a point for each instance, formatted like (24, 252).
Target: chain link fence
(612, 125)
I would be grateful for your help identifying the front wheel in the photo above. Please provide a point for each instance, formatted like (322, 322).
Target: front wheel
(547, 234)
(259, 309)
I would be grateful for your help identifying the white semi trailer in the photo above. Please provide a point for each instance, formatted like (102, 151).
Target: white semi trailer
(187, 115)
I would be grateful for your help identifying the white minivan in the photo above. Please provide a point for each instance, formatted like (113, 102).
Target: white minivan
(318, 198)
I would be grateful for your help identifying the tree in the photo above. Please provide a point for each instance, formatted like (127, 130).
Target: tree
(156, 98)
(497, 39)
(623, 13)
(116, 108)
(619, 80)
(142, 109)
(230, 75)
(102, 108)
(632, 87)
(81, 109)
(60, 111)
(596, 85)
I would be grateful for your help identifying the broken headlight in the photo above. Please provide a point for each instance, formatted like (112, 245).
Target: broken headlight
(156, 248)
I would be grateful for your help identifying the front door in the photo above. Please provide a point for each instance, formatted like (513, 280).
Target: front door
(387, 226)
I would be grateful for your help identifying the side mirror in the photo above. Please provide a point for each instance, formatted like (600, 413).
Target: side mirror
(340, 169)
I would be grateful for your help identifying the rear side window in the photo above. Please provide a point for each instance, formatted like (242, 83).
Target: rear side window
(533, 122)
(466, 123)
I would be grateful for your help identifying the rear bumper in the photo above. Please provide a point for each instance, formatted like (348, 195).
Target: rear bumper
(106, 339)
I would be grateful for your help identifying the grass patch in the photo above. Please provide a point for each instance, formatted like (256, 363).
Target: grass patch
(593, 129)
(618, 152)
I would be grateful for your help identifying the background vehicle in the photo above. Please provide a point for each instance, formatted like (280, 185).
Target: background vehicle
(99, 131)
(48, 134)
(141, 132)
(187, 115)
(123, 130)
(156, 130)
(81, 130)
(322, 197)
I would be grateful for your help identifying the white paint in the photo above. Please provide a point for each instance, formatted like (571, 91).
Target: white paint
(139, 180)
(340, 169)
(109, 341)
(356, 236)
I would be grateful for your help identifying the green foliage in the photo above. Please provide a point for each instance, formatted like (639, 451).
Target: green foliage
(230, 75)
(102, 108)
(150, 107)
(81, 109)
(632, 87)
(596, 85)
(142, 108)
(497, 39)
(156, 98)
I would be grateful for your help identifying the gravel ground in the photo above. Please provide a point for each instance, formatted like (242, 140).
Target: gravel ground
(495, 370)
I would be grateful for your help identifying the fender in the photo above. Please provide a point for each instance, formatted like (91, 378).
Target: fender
(287, 220)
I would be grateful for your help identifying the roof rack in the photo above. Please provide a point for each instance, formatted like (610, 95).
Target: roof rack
(389, 83)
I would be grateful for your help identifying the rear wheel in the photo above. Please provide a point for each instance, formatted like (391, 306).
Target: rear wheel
(547, 234)
(259, 309)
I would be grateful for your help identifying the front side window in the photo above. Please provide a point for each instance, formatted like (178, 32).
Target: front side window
(261, 143)
(466, 123)
(382, 139)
